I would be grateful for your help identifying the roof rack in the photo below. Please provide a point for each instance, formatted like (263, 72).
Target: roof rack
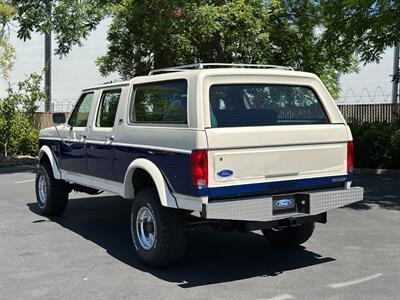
(216, 65)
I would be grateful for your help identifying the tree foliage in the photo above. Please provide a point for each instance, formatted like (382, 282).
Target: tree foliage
(147, 34)
(316, 36)
(70, 20)
(368, 26)
(17, 111)
(7, 52)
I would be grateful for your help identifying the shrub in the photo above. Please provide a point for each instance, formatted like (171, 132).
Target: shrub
(376, 145)
(24, 140)
(395, 146)
(18, 134)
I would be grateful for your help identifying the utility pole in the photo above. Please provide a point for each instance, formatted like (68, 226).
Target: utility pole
(395, 81)
(47, 61)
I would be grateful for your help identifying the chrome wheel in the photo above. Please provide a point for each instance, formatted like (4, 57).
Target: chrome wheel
(42, 189)
(145, 228)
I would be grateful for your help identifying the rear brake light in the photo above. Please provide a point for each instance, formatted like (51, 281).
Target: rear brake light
(199, 167)
(350, 157)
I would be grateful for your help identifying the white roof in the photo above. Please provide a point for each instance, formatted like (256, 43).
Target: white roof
(179, 73)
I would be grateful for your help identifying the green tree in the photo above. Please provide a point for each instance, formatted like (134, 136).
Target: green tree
(297, 39)
(7, 52)
(151, 34)
(368, 26)
(17, 110)
(28, 94)
(147, 34)
(70, 20)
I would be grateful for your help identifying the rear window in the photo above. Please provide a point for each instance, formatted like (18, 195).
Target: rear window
(238, 105)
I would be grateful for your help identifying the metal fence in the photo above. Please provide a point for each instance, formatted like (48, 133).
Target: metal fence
(368, 113)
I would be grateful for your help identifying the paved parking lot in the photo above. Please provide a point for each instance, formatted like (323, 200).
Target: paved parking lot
(86, 253)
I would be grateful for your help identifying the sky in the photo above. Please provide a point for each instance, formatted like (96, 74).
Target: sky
(70, 74)
(78, 70)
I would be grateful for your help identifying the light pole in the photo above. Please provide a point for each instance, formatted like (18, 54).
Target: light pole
(47, 61)
(395, 81)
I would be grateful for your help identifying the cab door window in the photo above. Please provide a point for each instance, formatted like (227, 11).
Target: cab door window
(80, 114)
(108, 108)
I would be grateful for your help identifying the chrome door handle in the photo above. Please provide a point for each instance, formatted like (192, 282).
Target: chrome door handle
(83, 136)
(110, 138)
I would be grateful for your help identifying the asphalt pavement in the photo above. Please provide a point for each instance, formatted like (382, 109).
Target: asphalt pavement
(87, 253)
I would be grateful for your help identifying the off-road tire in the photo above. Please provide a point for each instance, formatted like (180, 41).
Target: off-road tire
(289, 236)
(57, 192)
(169, 226)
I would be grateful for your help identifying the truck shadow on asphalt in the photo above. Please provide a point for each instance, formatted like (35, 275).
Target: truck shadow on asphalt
(212, 257)
(381, 190)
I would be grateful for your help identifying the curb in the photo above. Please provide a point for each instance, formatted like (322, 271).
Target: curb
(362, 171)
(17, 168)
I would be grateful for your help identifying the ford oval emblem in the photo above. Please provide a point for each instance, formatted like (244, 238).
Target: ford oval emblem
(284, 203)
(225, 173)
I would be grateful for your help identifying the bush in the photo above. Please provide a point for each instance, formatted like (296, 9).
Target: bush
(395, 146)
(376, 145)
(24, 140)
(18, 134)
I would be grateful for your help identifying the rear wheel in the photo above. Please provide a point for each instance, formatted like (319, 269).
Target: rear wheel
(51, 194)
(289, 236)
(159, 233)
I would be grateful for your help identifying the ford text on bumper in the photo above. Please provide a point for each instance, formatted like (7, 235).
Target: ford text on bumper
(263, 209)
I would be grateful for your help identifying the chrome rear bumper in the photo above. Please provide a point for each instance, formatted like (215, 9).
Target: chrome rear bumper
(261, 208)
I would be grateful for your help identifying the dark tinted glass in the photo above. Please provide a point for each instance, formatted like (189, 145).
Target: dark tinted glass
(161, 102)
(80, 114)
(108, 108)
(262, 105)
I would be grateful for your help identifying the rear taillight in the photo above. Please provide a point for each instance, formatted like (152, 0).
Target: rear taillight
(199, 167)
(350, 157)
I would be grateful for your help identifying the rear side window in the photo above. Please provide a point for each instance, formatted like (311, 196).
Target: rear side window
(80, 114)
(161, 102)
(240, 105)
(108, 108)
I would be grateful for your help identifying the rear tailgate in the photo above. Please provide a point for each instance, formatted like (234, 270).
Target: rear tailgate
(247, 155)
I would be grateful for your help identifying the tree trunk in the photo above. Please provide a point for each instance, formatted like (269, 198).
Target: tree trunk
(220, 58)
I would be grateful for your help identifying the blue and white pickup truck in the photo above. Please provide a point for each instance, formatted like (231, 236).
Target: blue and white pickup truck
(248, 147)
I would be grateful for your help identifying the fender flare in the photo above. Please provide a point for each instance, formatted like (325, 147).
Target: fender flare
(45, 150)
(166, 198)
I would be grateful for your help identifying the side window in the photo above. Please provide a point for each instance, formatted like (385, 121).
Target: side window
(161, 102)
(80, 114)
(108, 108)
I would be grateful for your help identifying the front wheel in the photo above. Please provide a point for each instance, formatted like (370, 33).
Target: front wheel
(51, 194)
(289, 236)
(159, 233)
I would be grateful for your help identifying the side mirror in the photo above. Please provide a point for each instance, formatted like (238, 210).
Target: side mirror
(58, 118)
